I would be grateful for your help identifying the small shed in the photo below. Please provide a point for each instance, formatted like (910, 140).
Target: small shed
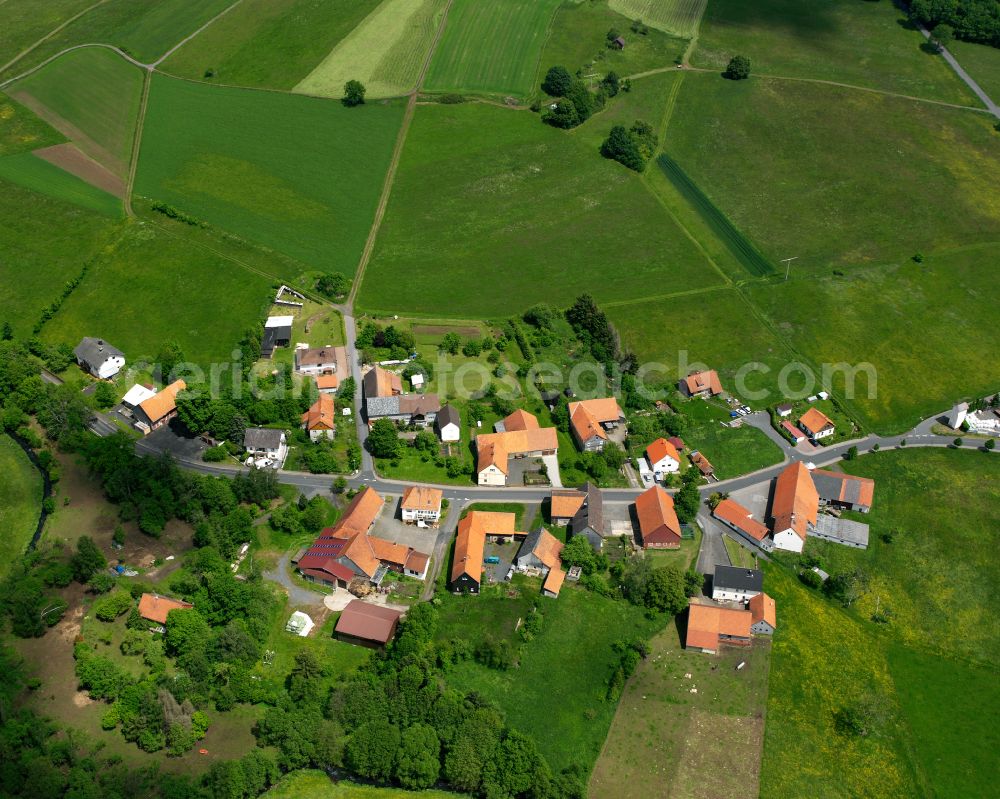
(619, 43)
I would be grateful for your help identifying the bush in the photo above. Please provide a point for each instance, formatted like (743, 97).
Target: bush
(112, 606)
(354, 93)
(809, 578)
(557, 82)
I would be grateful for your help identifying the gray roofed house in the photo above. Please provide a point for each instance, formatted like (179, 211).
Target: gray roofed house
(844, 490)
(448, 423)
(589, 520)
(419, 409)
(525, 557)
(735, 584)
(277, 333)
(262, 438)
(98, 357)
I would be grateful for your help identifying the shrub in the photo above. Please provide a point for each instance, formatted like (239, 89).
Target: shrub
(354, 93)
(557, 81)
(112, 606)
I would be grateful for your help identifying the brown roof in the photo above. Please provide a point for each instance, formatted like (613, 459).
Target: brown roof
(470, 542)
(704, 464)
(793, 430)
(762, 608)
(853, 489)
(321, 415)
(416, 561)
(658, 522)
(422, 498)
(327, 381)
(520, 420)
(159, 405)
(360, 513)
(707, 622)
(369, 621)
(676, 441)
(419, 404)
(318, 356)
(381, 382)
(739, 517)
(547, 549)
(566, 503)
(796, 502)
(701, 381)
(660, 449)
(554, 580)
(495, 448)
(814, 421)
(490, 453)
(155, 607)
(586, 416)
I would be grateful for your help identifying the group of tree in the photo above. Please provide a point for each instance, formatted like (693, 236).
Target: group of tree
(574, 101)
(969, 20)
(632, 147)
(400, 344)
(333, 285)
(354, 93)
(593, 328)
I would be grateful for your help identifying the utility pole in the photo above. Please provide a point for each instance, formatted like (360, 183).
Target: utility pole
(788, 264)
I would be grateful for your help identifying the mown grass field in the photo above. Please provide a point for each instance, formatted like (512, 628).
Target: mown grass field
(491, 47)
(20, 501)
(92, 97)
(679, 17)
(21, 130)
(864, 44)
(152, 288)
(912, 322)
(31, 172)
(858, 178)
(541, 217)
(571, 657)
(295, 174)
(385, 51)
(268, 43)
(982, 63)
(45, 243)
(734, 451)
(312, 784)
(27, 21)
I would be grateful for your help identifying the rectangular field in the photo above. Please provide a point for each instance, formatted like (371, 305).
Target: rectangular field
(35, 173)
(296, 174)
(679, 17)
(492, 212)
(491, 47)
(385, 51)
(268, 43)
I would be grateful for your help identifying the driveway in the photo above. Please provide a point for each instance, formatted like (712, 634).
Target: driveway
(297, 595)
(713, 551)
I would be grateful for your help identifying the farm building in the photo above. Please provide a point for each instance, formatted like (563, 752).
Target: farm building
(589, 519)
(261, 442)
(539, 553)
(740, 520)
(711, 626)
(320, 420)
(418, 409)
(663, 458)
(658, 524)
(701, 384)
(322, 361)
(589, 421)
(277, 333)
(470, 544)
(158, 410)
(379, 382)
(518, 420)
(794, 507)
(564, 503)
(702, 464)
(844, 490)
(448, 424)
(735, 584)
(842, 531)
(494, 450)
(763, 614)
(816, 424)
(156, 608)
(421, 504)
(100, 359)
(367, 624)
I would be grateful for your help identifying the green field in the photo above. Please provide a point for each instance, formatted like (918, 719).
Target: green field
(386, 51)
(31, 172)
(946, 298)
(295, 174)
(311, 784)
(27, 21)
(864, 44)
(734, 451)
(92, 97)
(680, 17)
(982, 63)
(154, 287)
(21, 130)
(540, 215)
(20, 502)
(45, 243)
(268, 43)
(145, 30)
(491, 47)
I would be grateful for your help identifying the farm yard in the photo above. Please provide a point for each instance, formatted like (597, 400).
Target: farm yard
(491, 47)
(385, 51)
(295, 174)
(679, 17)
(268, 43)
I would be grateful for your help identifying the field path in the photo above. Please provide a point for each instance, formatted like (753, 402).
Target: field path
(49, 35)
(133, 164)
(992, 107)
(397, 152)
(188, 38)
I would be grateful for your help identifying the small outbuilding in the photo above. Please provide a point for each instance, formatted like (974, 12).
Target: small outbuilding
(300, 624)
(367, 624)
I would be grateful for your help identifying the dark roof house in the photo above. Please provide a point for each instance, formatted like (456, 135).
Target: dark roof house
(98, 357)
(735, 578)
(589, 519)
(262, 438)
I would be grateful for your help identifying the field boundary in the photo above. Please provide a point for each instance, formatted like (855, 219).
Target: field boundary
(190, 36)
(50, 34)
(140, 121)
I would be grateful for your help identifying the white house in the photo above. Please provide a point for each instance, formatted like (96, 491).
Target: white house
(734, 584)
(816, 424)
(448, 424)
(321, 361)
(421, 504)
(984, 421)
(957, 415)
(663, 458)
(261, 442)
(99, 358)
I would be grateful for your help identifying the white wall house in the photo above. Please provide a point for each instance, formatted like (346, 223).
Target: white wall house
(448, 424)
(492, 475)
(99, 358)
(261, 442)
(984, 421)
(736, 584)
(665, 465)
(788, 540)
(421, 504)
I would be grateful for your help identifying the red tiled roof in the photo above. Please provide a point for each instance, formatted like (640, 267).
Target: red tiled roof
(321, 415)
(566, 503)
(520, 420)
(658, 522)
(163, 403)
(155, 607)
(796, 502)
(697, 382)
(815, 421)
(422, 498)
(739, 517)
(793, 431)
(586, 416)
(707, 622)
(470, 541)
(763, 608)
(660, 449)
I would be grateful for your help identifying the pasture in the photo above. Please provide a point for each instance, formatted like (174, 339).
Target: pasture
(153, 287)
(21, 130)
(386, 51)
(734, 451)
(947, 299)
(27, 21)
(863, 44)
(492, 212)
(679, 17)
(92, 97)
(32, 172)
(982, 63)
(20, 502)
(268, 43)
(314, 784)
(46, 242)
(491, 47)
(298, 175)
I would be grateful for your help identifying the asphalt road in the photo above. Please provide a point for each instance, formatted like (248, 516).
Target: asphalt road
(992, 107)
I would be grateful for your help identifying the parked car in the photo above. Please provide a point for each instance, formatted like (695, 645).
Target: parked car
(492, 559)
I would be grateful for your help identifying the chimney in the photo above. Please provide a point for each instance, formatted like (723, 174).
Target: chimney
(100, 345)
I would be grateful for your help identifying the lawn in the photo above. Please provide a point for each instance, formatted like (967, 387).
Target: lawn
(864, 44)
(268, 43)
(21, 130)
(152, 288)
(312, 784)
(859, 177)
(295, 174)
(45, 243)
(92, 97)
(541, 215)
(982, 63)
(144, 30)
(491, 47)
(20, 502)
(947, 299)
(570, 661)
(734, 451)
(32, 172)
(739, 555)
(386, 51)
(680, 17)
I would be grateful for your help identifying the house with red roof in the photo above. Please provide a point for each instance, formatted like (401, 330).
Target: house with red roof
(590, 420)
(659, 527)
(663, 458)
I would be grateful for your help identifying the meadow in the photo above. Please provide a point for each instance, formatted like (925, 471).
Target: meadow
(27, 21)
(299, 175)
(92, 97)
(982, 63)
(268, 43)
(20, 501)
(492, 212)
(491, 47)
(313, 784)
(386, 51)
(679, 17)
(947, 298)
(863, 44)
(32, 172)
(734, 451)
(21, 130)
